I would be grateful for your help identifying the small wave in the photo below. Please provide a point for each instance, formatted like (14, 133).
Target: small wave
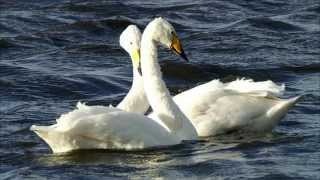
(7, 31)
(104, 7)
(6, 83)
(91, 26)
(315, 8)
(79, 7)
(10, 69)
(185, 71)
(276, 25)
(93, 48)
(99, 26)
(57, 40)
(96, 84)
(248, 141)
(310, 68)
(31, 41)
(117, 22)
(205, 72)
(5, 44)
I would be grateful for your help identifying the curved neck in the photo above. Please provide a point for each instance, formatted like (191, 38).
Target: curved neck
(135, 100)
(157, 93)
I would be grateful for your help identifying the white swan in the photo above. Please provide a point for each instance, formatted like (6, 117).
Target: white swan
(92, 127)
(217, 108)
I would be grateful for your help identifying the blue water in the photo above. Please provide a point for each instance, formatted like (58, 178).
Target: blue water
(56, 53)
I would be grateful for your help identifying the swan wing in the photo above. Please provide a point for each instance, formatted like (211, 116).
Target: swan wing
(248, 85)
(199, 95)
(239, 85)
(231, 111)
(83, 110)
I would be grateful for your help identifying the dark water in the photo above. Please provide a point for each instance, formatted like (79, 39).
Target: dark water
(55, 53)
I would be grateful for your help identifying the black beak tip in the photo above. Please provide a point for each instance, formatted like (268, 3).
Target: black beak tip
(139, 70)
(183, 55)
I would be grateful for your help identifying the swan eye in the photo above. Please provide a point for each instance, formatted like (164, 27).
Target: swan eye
(131, 43)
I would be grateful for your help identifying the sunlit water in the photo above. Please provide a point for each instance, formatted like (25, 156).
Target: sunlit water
(55, 53)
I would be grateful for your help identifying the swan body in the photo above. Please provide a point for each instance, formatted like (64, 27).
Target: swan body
(228, 108)
(101, 127)
(91, 127)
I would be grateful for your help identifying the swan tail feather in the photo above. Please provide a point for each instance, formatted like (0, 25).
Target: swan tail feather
(42, 131)
(280, 110)
(292, 101)
(40, 128)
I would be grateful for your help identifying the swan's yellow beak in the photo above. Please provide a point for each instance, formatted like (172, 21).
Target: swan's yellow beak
(177, 47)
(135, 55)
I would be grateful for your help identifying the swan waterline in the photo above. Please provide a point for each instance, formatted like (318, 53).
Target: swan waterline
(101, 127)
(240, 105)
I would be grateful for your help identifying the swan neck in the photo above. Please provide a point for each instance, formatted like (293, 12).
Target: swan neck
(157, 93)
(135, 100)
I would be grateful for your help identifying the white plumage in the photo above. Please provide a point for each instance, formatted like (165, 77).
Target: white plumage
(217, 108)
(91, 127)
(213, 108)
(235, 106)
(100, 127)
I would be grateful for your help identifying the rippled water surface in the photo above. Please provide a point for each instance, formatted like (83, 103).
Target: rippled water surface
(55, 53)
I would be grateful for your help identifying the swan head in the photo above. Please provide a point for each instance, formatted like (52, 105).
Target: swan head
(130, 40)
(164, 33)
